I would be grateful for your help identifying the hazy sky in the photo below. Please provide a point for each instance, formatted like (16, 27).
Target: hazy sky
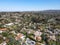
(29, 5)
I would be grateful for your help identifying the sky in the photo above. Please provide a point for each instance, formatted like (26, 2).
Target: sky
(29, 5)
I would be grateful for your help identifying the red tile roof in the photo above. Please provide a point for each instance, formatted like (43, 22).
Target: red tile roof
(3, 29)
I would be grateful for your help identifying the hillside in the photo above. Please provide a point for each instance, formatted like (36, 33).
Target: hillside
(30, 28)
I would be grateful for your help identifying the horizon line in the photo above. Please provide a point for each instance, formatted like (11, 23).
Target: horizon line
(27, 10)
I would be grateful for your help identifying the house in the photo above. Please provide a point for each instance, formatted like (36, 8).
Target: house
(13, 32)
(52, 20)
(30, 31)
(29, 42)
(38, 38)
(3, 43)
(20, 36)
(53, 37)
(2, 29)
(37, 33)
(9, 24)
